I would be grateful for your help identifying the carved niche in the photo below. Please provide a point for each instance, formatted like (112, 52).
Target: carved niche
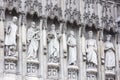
(91, 53)
(110, 63)
(33, 37)
(53, 39)
(11, 52)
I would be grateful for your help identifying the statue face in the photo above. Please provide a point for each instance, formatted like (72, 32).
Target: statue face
(72, 33)
(14, 19)
(108, 37)
(53, 27)
(90, 34)
(33, 24)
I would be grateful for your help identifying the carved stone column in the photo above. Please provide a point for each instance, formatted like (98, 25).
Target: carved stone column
(24, 45)
(80, 53)
(1, 43)
(20, 67)
(117, 55)
(63, 52)
(43, 49)
(83, 53)
(102, 62)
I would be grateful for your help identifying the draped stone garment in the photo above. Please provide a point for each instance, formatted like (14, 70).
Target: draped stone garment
(72, 49)
(10, 37)
(110, 55)
(32, 38)
(91, 51)
(53, 46)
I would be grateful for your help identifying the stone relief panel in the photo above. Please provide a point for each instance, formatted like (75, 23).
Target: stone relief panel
(53, 72)
(32, 69)
(10, 66)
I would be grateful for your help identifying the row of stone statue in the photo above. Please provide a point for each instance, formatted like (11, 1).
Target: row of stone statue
(33, 37)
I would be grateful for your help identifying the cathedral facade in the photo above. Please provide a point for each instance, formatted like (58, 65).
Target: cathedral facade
(59, 40)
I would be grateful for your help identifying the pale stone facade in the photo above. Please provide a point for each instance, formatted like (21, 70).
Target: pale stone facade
(59, 40)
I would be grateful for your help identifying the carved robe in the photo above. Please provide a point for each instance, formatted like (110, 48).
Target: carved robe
(91, 51)
(10, 37)
(33, 38)
(72, 49)
(110, 55)
(53, 46)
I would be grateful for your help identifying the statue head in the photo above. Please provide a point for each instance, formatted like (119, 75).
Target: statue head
(90, 34)
(72, 33)
(33, 24)
(108, 37)
(53, 27)
(14, 19)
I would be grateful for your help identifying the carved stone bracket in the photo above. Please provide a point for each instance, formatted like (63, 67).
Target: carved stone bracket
(10, 66)
(32, 68)
(53, 71)
(110, 77)
(72, 72)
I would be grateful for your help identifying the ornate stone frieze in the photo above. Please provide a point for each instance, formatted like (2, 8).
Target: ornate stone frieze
(33, 6)
(10, 4)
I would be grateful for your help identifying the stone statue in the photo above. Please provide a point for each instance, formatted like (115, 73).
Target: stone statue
(33, 41)
(91, 50)
(53, 45)
(72, 49)
(109, 54)
(10, 36)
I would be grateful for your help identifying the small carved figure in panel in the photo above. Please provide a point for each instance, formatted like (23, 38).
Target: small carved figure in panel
(33, 38)
(109, 54)
(91, 50)
(72, 49)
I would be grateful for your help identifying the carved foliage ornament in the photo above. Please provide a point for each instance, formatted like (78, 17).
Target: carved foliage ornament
(10, 4)
(33, 6)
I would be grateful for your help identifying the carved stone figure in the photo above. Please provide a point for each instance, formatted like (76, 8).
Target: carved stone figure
(109, 54)
(33, 41)
(91, 49)
(72, 49)
(53, 45)
(10, 36)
